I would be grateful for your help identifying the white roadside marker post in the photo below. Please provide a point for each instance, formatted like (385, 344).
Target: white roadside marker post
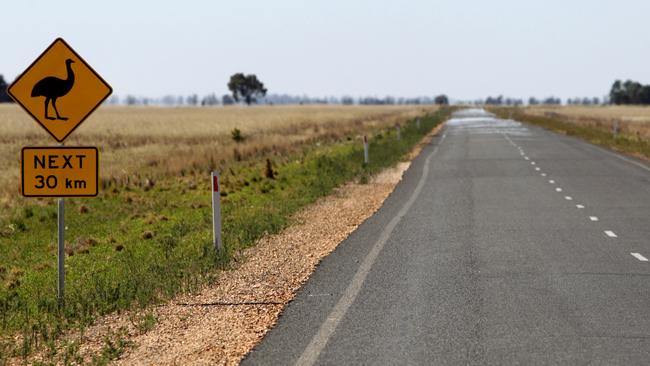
(417, 123)
(216, 212)
(615, 128)
(399, 132)
(365, 149)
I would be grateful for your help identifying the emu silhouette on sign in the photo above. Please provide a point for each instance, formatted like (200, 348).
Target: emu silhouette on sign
(53, 88)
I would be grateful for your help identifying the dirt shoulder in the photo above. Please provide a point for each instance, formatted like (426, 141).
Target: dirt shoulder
(221, 323)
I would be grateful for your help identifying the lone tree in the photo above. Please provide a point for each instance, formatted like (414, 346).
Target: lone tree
(441, 99)
(246, 87)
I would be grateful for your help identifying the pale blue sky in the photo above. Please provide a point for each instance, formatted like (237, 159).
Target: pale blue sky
(467, 49)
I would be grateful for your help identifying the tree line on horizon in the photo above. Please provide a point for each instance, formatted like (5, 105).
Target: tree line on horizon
(273, 99)
(248, 89)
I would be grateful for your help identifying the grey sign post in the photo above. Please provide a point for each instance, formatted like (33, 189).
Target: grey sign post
(365, 150)
(216, 212)
(417, 123)
(615, 129)
(61, 252)
(399, 132)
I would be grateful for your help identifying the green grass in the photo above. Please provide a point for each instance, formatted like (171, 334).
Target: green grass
(623, 143)
(134, 246)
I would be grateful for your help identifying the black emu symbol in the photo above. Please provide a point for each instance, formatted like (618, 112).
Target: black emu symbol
(52, 88)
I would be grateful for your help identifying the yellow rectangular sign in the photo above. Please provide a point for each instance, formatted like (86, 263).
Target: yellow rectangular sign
(60, 171)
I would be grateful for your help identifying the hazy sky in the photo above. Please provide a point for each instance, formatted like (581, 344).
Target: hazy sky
(467, 49)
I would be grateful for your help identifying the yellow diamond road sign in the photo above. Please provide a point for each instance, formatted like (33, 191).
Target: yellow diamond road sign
(59, 90)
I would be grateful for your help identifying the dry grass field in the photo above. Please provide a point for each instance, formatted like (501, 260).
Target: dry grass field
(633, 121)
(153, 142)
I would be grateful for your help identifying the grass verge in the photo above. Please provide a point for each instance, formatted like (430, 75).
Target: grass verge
(138, 245)
(632, 145)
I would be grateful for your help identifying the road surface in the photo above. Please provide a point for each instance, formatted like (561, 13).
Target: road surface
(503, 244)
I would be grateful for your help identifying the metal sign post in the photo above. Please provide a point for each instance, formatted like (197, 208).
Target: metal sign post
(365, 150)
(399, 132)
(61, 252)
(417, 123)
(216, 212)
(615, 129)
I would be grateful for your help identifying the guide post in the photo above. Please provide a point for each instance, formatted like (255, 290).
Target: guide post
(216, 212)
(365, 150)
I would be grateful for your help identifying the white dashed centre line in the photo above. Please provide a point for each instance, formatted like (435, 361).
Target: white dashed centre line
(537, 168)
(611, 234)
(580, 206)
(568, 198)
(543, 174)
(639, 257)
(593, 218)
(551, 181)
(558, 189)
(526, 157)
(532, 163)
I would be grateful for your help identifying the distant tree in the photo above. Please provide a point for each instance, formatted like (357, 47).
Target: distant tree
(209, 100)
(4, 97)
(616, 94)
(227, 100)
(552, 101)
(629, 92)
(644, 95)
(347, 100)
(246, 87)
(533, 101)
(168, 100)
(441, 99)
(494, 101)
(131, 100)
(192, 100)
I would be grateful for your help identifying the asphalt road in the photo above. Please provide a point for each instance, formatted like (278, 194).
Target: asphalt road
(503, 244)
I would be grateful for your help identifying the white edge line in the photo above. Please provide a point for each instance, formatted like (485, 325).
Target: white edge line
(593, 218)
(611, 234)
(313, 350)
(639, 257)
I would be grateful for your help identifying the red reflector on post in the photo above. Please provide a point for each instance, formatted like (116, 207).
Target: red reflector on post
(215, 183)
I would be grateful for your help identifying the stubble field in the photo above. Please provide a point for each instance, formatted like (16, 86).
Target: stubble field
(138, 143)
(633, 121)
(622, 128)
